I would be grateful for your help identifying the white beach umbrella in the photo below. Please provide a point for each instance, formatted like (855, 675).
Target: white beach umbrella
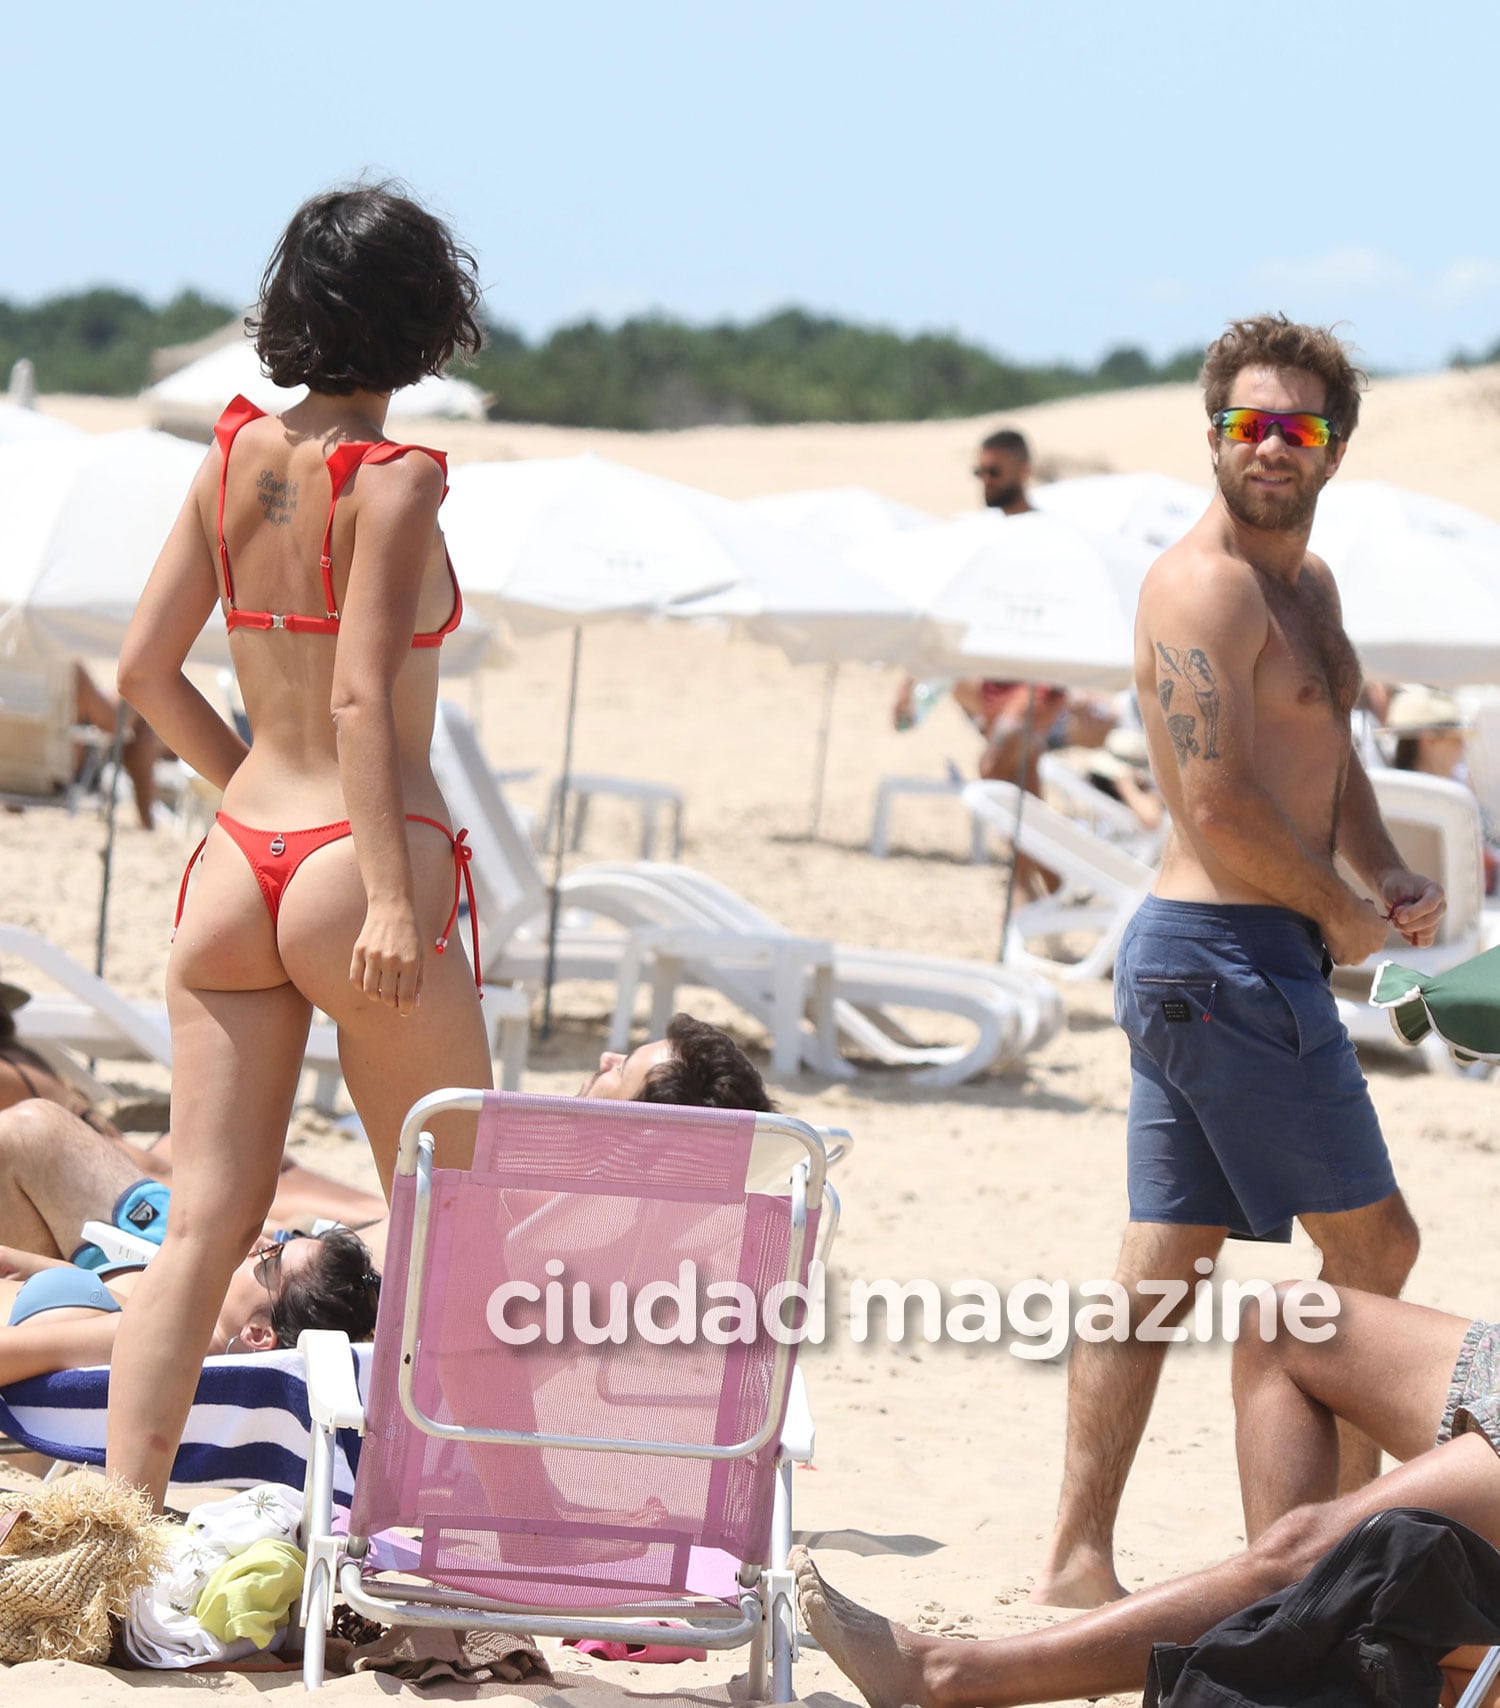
(82, 520)
(830, 614)
(1026, 597)
(1419, 579)
(839, 517)
(206, 385)
(563, 542)
(1156, 509)
(19, 426)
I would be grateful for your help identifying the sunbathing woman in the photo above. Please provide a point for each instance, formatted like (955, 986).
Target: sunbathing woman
(331, 878)
(54, 1316)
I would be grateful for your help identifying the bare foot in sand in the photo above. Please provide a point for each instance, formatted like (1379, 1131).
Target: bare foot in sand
(886, 1661)
(1078, 1577)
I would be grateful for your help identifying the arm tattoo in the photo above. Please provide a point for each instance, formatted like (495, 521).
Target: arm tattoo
(1191, 666)
(278, 498)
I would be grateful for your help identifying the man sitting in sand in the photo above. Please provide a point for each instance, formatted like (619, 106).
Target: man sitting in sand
(57, 1172)
(1402, 1375)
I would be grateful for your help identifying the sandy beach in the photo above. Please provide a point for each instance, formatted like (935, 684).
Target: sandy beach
(938, 1465)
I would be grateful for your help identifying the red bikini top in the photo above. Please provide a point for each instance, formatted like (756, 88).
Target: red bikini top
(341, 465)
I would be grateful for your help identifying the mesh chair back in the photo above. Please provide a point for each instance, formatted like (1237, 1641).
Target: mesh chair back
(618, 1200)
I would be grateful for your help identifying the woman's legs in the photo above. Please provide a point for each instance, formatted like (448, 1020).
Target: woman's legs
(1107, 1650)
(1386, 1369)
(239, 1031)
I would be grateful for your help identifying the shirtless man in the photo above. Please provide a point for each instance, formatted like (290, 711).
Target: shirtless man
(1246, 681)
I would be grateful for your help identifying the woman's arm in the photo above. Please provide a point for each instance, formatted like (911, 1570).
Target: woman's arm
(56, 1340)
(178, 600)
(395, 524)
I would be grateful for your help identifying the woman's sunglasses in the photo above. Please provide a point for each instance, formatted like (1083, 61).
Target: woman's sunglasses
(1250, 426)
(270, 1254)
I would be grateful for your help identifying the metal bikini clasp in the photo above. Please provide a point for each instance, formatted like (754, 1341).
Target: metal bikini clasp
(278, 843)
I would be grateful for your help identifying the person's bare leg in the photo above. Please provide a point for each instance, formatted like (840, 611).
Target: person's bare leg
(303, 1192)
(1385, 1370)
(141, 753)
(1111, 1385)
(1107, 1650)
(389, 1060)
(1372, 1249)
(300, 1192)
(236, 1059)
(56, 1173)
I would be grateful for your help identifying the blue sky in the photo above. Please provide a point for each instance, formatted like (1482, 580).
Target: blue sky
(1049, 177)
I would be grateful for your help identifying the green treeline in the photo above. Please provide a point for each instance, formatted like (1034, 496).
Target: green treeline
(654, 372)
(100, 341)
(648, 372)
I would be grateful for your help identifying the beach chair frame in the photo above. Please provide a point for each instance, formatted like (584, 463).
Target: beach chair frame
(765, 1617)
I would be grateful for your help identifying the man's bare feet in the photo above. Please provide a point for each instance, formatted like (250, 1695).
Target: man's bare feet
(1080, 1576)
(883, 1659)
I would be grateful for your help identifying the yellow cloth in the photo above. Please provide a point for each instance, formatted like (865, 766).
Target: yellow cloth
(251, 1595)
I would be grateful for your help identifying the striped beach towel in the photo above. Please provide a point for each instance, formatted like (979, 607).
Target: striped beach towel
(248, 1424)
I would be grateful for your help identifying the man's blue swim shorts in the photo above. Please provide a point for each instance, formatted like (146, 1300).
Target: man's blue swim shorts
(1247, 1106)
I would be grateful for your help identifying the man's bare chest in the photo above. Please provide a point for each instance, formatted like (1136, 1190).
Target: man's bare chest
(1308, 662)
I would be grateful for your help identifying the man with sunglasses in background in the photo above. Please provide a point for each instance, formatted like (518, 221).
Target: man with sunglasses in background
(1247, 1106)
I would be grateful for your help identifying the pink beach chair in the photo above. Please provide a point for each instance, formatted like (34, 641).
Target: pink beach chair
(580, 1475)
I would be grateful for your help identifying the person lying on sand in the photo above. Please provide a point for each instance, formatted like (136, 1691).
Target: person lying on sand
(56, 1316)
(1404, 1375)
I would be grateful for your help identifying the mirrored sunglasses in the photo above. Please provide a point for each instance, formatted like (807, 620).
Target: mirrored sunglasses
(1250, 426)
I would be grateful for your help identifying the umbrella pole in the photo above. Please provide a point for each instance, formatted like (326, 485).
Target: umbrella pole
(555, 910)
(116, 757)
(821, 768)
(1015, 830)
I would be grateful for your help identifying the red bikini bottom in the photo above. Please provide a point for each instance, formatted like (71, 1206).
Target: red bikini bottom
(275, 855)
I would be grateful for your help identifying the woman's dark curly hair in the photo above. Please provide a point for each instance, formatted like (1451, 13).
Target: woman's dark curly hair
(366, 291)
(340, 1290)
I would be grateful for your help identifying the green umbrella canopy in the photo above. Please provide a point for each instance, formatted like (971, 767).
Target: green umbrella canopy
(1462, 1005)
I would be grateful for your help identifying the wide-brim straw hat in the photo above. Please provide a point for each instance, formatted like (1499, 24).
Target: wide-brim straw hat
(72, 1554)
(1420, 711)
(1124, 754)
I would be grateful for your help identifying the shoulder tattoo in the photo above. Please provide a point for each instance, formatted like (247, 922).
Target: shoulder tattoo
(1189, 666)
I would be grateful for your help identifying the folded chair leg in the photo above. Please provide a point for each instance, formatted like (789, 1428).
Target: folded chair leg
(757, 1673)
(777, 1588)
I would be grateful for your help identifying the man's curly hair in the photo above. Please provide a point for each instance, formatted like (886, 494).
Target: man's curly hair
(706, 1069)
(1273, 341)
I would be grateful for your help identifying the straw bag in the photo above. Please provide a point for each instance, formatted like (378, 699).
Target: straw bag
(71, 1553)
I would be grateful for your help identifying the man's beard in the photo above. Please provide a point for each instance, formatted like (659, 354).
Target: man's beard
(1287, 510)
(1004, 497)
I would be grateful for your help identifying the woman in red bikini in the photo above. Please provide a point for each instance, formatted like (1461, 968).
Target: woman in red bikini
(332, 877)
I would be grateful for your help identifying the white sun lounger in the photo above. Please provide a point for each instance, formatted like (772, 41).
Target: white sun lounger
(1102, 883)
(693, 929)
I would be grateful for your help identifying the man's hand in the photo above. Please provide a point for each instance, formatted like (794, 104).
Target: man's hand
(1356, 934)
(1414, 905)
